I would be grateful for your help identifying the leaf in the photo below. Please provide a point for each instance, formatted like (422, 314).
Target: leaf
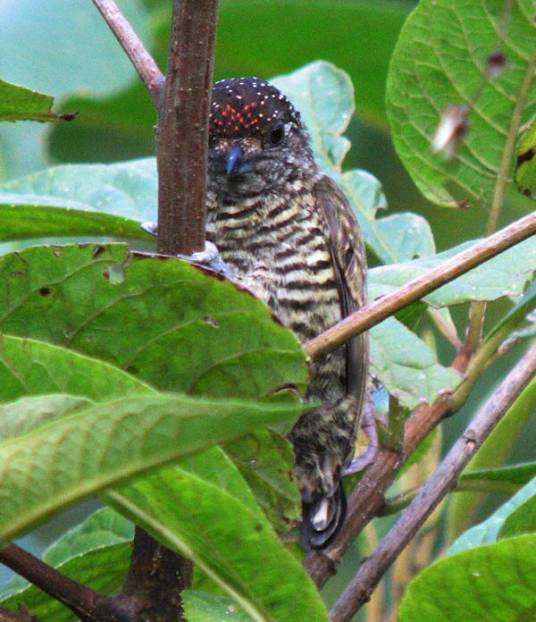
(29, 367)
(266, 460)
(504, 275)
(518, 312)
(516, 474)
(81, 454)
(233, 544)
(440, 60)
(125, 189)
(324, 95)
(496, 580)
(28, 217)
(487, 531)
(407, 366)
(20, 104)
(181, 330)
(525, 174)
(203, 607)
(521, 520)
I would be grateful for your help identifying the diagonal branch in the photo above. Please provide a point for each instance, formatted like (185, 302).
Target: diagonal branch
(130, 42)
(374, 567)
(387, 305)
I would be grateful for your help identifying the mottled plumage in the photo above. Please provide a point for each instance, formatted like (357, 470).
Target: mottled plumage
(288, 233)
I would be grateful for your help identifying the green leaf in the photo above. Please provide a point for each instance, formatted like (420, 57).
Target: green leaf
(181, 329)
(236, 546)
(407, 366)
(515, 474)
(266, 459)
(203, 607)
(441, 60)
(28, 217)
(125, 189)
(20, 104)
(521, 520)
(518, 312)
(487, 532)
(493, 580)
(504, 275)
(324, 95)
(29, 367)
(80, 454)
(525, 175)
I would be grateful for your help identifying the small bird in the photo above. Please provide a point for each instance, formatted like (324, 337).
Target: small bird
(285, 231)
(288, 233)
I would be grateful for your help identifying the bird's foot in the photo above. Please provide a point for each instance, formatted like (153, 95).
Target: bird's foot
(209, 257)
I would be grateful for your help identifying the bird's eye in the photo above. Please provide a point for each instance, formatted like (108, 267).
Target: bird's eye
(277, 134)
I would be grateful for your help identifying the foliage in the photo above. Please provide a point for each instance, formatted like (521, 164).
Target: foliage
(166, 390)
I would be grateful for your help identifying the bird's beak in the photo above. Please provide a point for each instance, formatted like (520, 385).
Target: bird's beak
(234, 158)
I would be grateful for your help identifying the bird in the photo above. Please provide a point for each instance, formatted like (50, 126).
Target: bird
(284, 230)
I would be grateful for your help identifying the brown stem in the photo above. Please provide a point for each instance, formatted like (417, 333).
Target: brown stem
(130, 42)
(183, 128)
(155, 581)
(374, 567)
(376, 311)
(88, 605)
(367, 498)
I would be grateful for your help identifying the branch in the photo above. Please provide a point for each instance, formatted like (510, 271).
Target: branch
(88, 605)
(374, 567)
(156, 579)
(130, 42)
(183, 128)
(387, 305)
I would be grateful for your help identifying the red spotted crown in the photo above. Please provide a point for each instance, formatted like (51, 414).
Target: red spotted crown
(247, 106)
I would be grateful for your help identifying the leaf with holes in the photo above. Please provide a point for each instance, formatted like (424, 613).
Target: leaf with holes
(181, 329)
(441, 59)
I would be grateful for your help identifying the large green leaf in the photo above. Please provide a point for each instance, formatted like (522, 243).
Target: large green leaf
(487, 532)
(227, 538)
(490, 582)
(33, 219)
(101, 445)
(325, 97)
(29, 367)
(180, 329)
(20, 104)
(504, 275)
(521, 520)
(526, 164)
(407, 366)
(441, 59)
(515, 474)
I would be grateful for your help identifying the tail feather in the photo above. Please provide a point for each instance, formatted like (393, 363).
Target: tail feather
(322, 519)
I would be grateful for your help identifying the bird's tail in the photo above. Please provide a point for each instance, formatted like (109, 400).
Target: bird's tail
(322, 518)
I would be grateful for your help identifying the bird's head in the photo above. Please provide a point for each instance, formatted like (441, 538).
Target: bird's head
(257, 139)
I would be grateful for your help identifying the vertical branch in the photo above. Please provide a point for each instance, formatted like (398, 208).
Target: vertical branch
(183, 128)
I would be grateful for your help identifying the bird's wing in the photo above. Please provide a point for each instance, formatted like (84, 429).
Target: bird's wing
(349, 259)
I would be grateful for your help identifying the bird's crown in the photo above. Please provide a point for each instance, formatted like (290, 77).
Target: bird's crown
(246, 106)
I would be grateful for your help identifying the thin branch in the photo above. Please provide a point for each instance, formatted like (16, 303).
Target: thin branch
(374, 567)
(446, 327)
(183, 128)
(130, 42)
(88, 605)
(387, 305)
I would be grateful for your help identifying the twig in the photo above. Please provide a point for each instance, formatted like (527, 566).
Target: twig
(130, 42)
(374, 567)
(375, 312)
(183, 128)
(88, 605)
(447, 328)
